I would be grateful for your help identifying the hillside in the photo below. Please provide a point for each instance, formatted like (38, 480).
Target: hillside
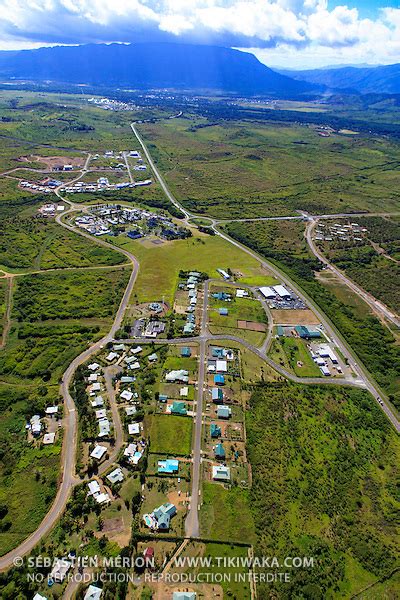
(151, 66)
(370, 80)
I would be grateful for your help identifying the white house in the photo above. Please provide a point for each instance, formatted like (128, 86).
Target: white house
(93, 593)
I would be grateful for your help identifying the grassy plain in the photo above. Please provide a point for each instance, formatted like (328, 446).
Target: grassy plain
(291, 351)
(234, 169)
(160, 263)
(323, 462)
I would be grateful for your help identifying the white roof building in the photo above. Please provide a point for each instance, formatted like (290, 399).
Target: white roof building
(126, 395)
(93, 367)
(94, 488)
(98, 452)
(98, 401)
(102, 498)
(115, 476)
(93, 593)
(133, 428)
(221, 366)
(267, 292)
(282, 291)
(60, 570)
(111, 356)
(101, 414)
(38, 596)
(51, 410)
(49, 438)
(104, 427)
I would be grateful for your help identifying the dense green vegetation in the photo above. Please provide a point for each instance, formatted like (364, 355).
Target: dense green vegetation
(28, 475)
(234, 168)
(374, 343)
(324, 464)
(39, 243)
(94, 294)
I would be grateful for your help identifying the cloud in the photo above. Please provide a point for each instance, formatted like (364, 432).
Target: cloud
(294, 27)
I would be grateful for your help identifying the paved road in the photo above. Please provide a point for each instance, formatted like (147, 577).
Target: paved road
(68, 456)
(192, 520)
(377, 307)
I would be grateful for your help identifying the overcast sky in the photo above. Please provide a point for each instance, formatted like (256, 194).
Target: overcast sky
(286, 33)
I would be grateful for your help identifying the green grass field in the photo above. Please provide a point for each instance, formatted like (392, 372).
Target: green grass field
(170, 434)
(234, 169)
(160, 263)
(290, 351)
(225, 514)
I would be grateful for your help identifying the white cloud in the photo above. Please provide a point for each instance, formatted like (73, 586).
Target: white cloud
(292, 30)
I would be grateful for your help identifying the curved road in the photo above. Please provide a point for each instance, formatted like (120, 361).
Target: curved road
(68, 456)
(68, 479)
(368, 298)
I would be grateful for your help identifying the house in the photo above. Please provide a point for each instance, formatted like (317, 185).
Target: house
(178, 408)
(219, 380)
(219, 452)
(126, 395)
(221, 366)
(96, 387)
(111, 356)
(127, 379)
(93, 593)
(217, 352)
(92, 378)
(49, 438)
(221, 473)
(51, 410)
(184, 596)
(217, 395)
(115, 476)
(163, 515)
(215, 430)
(102, 498)
(36, 425)
(133, 454)
(224, 412)
(186, 352)
(242, 293)
(93, 366)
(163, 397)
(223, 312)
(181, 375)
(104, 427)
(153, 357)
(94, 488)
(148, 553)
(130, 411)
(98, 401)
(188, 328)
(38, 596)
(101, 414)
(183, 392)
(168, 466)
(133, 428)
(136, 350)
(60, 570)
(119, 347)
(98, 452)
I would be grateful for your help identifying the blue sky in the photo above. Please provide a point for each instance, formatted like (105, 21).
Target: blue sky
(285, 33)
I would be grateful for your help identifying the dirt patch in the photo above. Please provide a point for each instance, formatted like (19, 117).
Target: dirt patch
(113, 525)
(177, 500)
(54, 161)
(251, 326)
(295, 317)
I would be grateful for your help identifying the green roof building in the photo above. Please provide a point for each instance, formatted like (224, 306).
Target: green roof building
(219, 452)
(179, 408)
(215, 430)
(186, 352)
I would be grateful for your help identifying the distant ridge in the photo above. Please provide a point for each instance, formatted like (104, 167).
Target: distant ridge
(367, 80)
(151, 66)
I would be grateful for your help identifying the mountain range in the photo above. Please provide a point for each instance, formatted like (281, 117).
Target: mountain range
(151, 66)
(367, 80)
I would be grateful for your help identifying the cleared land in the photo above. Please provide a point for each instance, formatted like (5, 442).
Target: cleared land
(170, 434)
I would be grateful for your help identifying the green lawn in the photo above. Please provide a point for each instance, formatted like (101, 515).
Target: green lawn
(160, 264)
(290, 351)
(170, 434)
(225, 514)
